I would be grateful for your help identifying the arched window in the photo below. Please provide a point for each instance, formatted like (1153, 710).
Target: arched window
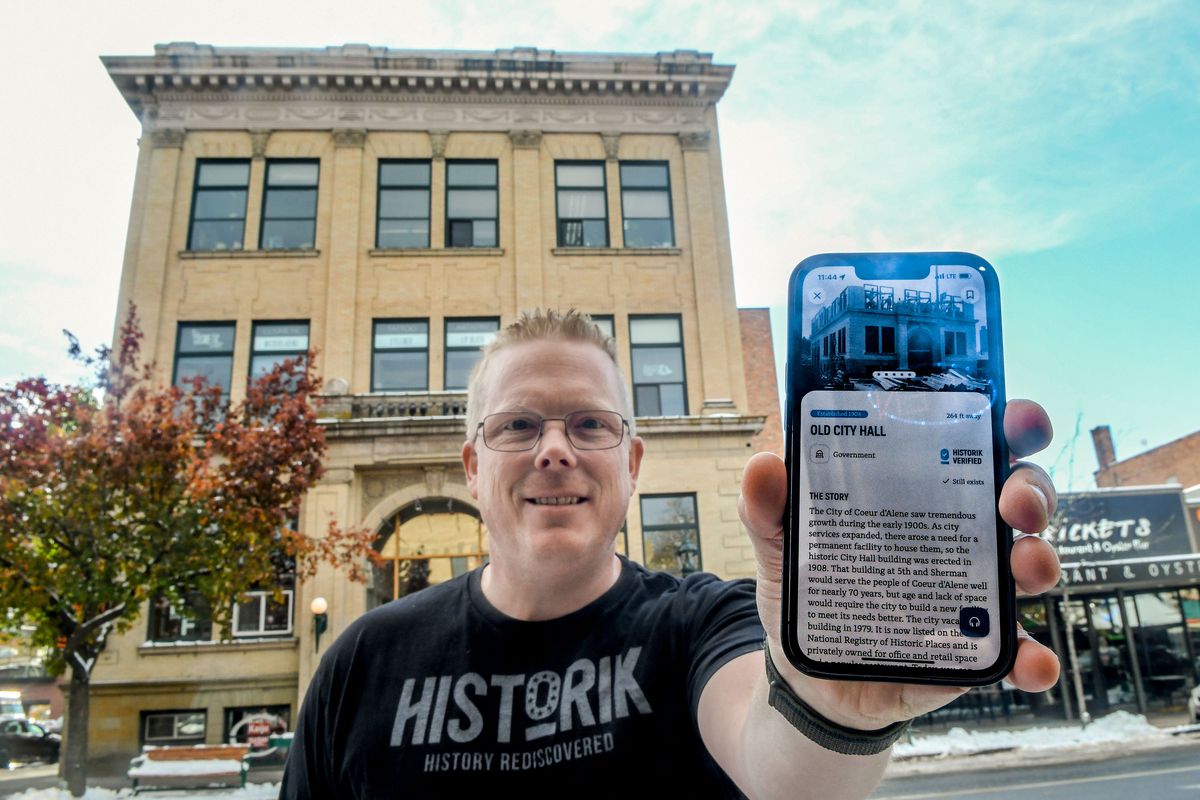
(428, 541)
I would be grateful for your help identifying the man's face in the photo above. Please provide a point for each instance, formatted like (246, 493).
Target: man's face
(552, 379)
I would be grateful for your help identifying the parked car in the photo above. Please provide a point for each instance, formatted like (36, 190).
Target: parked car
(22, 740)
(1194, 704)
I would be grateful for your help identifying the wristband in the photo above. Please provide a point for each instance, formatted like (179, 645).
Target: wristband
(826, 732)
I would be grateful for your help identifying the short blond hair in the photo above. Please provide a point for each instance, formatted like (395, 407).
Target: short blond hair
(542, 325)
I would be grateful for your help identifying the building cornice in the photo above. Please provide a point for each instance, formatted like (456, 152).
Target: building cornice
(196, 87)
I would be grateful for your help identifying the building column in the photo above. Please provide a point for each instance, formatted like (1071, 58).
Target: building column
(342, 264)
(346, 599)
(152, 253)
(526, 199)
(437, 188)
(612, 182)
(710, 298)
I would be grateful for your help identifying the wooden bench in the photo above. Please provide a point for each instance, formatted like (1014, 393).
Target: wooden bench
(202, 766)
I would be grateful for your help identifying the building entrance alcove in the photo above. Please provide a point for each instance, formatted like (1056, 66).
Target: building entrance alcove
(920, 351)
(428, 541)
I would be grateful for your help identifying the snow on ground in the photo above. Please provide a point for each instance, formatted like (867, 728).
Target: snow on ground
(1116, 727)
(265, 791)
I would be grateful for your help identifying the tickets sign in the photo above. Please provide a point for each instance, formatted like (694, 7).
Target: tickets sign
(1096, 527)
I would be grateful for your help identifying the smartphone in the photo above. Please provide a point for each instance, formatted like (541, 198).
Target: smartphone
(896, 561)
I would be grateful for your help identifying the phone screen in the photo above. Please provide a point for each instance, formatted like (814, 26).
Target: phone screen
(900, 564)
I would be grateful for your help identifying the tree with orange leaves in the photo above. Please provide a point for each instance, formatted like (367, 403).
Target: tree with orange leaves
(124, 491)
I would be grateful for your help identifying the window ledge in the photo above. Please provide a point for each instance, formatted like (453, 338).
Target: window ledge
(203, 254)
(228, 646)
(617, 251)
(453, 252)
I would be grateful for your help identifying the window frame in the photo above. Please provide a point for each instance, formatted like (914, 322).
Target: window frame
(634, 383)
(264, 596)
(447, 349)
(666, 165)
(655, 528)
(146, 714)
(180, 325)
(196, 189)
(954, 343)
(602, 190)
(374, 351)
(285, 354)
(379, 190)
(204, 618)
(495, 188)
(610, 319)
(266, 191)
(282, 711)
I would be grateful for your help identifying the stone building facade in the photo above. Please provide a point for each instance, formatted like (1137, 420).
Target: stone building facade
(393, 209)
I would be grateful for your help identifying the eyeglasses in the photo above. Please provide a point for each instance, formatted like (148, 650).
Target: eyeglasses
(514, 431)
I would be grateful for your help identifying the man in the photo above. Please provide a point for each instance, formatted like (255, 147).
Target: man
(562, 668)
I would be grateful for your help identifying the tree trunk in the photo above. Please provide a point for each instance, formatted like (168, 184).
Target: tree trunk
(76, 730)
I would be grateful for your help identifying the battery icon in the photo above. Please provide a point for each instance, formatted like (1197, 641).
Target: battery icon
(964, 275)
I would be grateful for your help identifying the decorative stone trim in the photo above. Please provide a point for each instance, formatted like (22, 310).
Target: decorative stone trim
(197, 255)
(525, 140)
(258, 143)
(617, 251)
(612, 145)
(747, 425)
(167, 137)
(227, 646)
(437, 143)
(349, 137)
(694, 140)
(424, 252)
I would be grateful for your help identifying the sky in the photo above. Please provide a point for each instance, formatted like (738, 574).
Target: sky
(1060, 141)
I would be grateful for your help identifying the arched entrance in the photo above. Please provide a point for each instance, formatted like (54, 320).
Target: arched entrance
(428, 541)
(920, 351)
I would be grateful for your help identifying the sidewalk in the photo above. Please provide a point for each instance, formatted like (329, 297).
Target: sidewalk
(1038, 741)
(946, 748)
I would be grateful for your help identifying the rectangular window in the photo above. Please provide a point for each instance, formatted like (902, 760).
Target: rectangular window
(173, 727)
(273, 342)
(659, 383)
(465, 340)
(403, 204)
(400, 355)
(889, 339)
(260, 614)
(289, 217)
(219, 205)
(204, 350)
(670, 534)
(582, 204)
(956, 343)
(605, 323)
(254, 725)
(646, 204)
(841, 341)
(472, 204)
(186, 621)
(872, 343)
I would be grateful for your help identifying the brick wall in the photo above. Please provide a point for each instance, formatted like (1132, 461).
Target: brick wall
(762, 391)
(1173, 462)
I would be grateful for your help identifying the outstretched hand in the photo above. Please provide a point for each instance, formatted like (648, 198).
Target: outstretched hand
(1026, 502)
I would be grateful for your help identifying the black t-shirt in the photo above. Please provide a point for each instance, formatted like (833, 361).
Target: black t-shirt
(439, 693)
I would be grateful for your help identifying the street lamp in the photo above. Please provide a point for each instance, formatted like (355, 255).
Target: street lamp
(689, 557)
(320, 620)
